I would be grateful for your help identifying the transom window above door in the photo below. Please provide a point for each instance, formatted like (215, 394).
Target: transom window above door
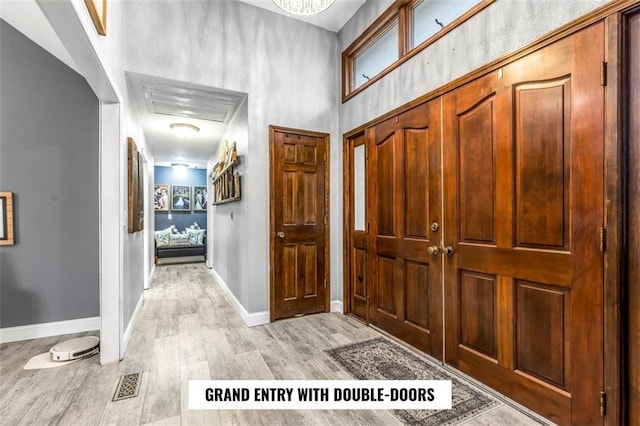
(403, 30)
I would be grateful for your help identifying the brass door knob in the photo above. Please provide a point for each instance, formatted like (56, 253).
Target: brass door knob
(433, 250)
(280, 234)
(448, 250)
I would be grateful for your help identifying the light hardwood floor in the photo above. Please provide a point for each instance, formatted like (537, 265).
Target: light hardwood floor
(187, 329)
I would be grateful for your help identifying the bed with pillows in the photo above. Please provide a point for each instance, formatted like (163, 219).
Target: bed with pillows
(171, 242)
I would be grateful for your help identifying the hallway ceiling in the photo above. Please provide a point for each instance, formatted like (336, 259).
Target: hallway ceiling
(161, 102)
(332, 19)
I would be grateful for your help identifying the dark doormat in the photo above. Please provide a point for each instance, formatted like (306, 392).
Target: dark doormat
(380, 359)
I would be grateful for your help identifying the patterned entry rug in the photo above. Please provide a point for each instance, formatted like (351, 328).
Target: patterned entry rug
(380, 359)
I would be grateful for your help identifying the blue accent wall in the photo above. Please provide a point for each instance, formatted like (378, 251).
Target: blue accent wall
(181, 219)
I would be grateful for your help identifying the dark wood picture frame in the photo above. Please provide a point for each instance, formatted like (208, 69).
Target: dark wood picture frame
(135, 188)
(98, 11)
(6, 219)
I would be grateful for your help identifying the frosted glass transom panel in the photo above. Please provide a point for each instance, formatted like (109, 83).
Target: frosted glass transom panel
(377, 57)
(359, 188)
(427, 12)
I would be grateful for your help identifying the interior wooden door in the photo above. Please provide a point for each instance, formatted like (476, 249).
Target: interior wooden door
(299, 222)
(524, 201)
(404, 199)
(356, 225)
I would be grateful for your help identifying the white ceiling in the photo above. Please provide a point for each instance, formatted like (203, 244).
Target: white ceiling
(161, 102)
(332, 19)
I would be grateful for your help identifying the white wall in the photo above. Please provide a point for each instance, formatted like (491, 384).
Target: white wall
(101, 61)
(289, 70)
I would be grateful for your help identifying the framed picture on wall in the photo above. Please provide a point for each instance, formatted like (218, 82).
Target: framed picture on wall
(181, 198)
(135, 188)
(98, 11)
(200, 198)
(161, 198)
(6, 219)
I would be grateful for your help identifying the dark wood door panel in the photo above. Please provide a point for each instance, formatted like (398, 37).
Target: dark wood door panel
(477, 309)
(386, 187)
(542, 320)
(404, 198)
(476, 172)
(524, 287)
(299, 206)
(416, 184)
(543, 156)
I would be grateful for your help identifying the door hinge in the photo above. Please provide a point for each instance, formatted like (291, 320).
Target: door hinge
(603, 403)
(603, 74)
(326, 220)
(603, 239)
(325, 283)
(367, 227)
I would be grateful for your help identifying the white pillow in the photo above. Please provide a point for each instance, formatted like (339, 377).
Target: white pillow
(196, 236)
(162, 237)
(179, 240)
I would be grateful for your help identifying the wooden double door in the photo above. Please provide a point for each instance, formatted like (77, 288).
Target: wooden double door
(485, 210)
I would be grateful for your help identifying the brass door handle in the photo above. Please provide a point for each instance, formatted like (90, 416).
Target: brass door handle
(448, 250)
(280, 234)
(433, 250)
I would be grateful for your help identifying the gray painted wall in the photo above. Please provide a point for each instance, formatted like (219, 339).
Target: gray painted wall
(501, 28)
(49, 159)
(228, 220)
(290, 71)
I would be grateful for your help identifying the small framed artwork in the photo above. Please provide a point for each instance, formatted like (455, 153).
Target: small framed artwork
(161, 198)
(6, 219)
(200, 198)
(181, 198)
(98, 12)
(135, 188)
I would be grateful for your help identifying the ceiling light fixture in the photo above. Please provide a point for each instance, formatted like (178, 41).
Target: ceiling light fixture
(179, 166)
(184, 130)
(303, 7)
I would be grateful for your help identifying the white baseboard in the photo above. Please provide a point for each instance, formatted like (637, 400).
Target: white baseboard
(150, 278)
(127, 333)
(251, 319)
(337, 306)
(48, 329)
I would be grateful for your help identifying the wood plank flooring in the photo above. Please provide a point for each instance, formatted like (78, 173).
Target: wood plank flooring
(187, 329)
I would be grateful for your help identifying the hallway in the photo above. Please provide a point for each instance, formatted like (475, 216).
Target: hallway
(185, 330)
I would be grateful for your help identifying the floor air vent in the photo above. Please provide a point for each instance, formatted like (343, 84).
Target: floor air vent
(128, 386)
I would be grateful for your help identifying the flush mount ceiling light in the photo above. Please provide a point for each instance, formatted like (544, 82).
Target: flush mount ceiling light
(303, 7)
(179, 166)
(184, 130)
